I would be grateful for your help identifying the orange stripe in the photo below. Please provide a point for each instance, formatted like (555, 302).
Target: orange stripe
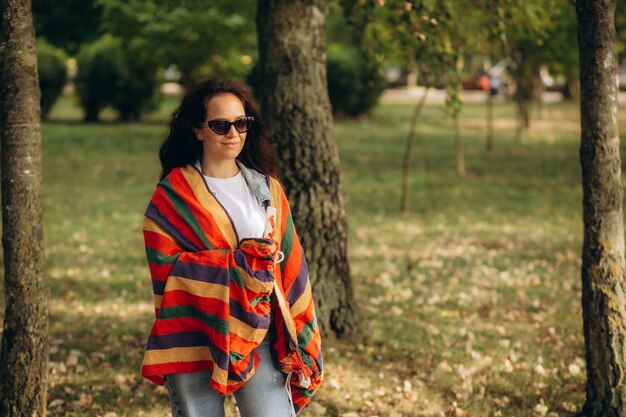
(304, 302)
(151, 226)
(275, 192)
(197, 288)
(292, 265)
(190, 354)
(246, 331)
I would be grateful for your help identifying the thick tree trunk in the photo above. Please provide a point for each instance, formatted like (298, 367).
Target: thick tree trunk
(295, 104)
(603, 295)
(24, 352)
(408, 153)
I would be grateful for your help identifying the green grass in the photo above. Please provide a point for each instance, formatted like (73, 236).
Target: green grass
(473, 299)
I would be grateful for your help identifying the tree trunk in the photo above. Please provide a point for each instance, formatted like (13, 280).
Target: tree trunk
(411, 71)
(523, 119)
(295, 104)
(538, 90)
(489, 145)
(603, 295)
(408, 153)
(523, 71)
(24, 351)
(458, 146)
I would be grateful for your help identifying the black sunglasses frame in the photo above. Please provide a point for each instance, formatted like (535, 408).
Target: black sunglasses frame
(224, 125)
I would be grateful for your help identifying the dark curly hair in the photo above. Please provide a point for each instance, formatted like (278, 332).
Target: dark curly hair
(181, 147)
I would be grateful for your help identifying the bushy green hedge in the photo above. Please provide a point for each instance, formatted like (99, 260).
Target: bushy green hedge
(122, 76)
(52, 67)
(355, 83)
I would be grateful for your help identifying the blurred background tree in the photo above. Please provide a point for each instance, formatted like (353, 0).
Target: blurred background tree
(112, 72)
(67, 24)
(201, 39)
(367, 42)
(52, 74)
(355, 70)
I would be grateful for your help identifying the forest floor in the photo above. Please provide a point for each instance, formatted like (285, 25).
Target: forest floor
(472, 300)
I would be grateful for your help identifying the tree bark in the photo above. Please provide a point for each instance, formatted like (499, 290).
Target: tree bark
(523, 71)
(295, 104)
(408, 153)
(490, 141)
(523, 119)
(603, 295)
(459, 150)
(24, 351)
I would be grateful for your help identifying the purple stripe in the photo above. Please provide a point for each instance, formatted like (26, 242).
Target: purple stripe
(158, 287)
(240, 377)
(261, 275)
(220, 358)
(182, 339)
(319, 361)
(203, 273)
(298, 286)
(153, 213)
(251, 319)
(188, 339)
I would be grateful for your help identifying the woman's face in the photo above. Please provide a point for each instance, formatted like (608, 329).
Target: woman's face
(220, 148)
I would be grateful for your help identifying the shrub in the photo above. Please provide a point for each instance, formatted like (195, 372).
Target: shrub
(52, 67)
(110, 73)
(355, 83)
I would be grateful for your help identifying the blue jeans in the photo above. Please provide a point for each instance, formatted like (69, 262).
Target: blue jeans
(264, 395)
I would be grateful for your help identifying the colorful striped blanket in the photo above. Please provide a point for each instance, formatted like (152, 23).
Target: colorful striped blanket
(215, 297)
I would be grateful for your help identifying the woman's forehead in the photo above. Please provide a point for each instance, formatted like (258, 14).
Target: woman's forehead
(225, 104)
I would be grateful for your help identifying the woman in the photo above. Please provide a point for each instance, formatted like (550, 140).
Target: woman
(233, 305)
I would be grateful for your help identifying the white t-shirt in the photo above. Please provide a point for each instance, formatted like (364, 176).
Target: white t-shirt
(240, 204)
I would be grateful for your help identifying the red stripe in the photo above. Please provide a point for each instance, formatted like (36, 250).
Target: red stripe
(158, 242)
(208, 258)
(159, 272)
(209, 305)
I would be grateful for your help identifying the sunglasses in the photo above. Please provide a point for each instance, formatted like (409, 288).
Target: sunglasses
(222, 127)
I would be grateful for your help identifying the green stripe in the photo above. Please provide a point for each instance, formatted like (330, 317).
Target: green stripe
(236, 357)
(304, 392)
(286, 243)
(259, 299)
(307, 331)
(187, 311)
(236, 277)
(184, 212)
(156, 257)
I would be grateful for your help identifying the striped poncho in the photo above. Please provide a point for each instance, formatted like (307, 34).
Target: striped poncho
(215, 297)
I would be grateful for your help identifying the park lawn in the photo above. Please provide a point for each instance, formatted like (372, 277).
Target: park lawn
(473, 300)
